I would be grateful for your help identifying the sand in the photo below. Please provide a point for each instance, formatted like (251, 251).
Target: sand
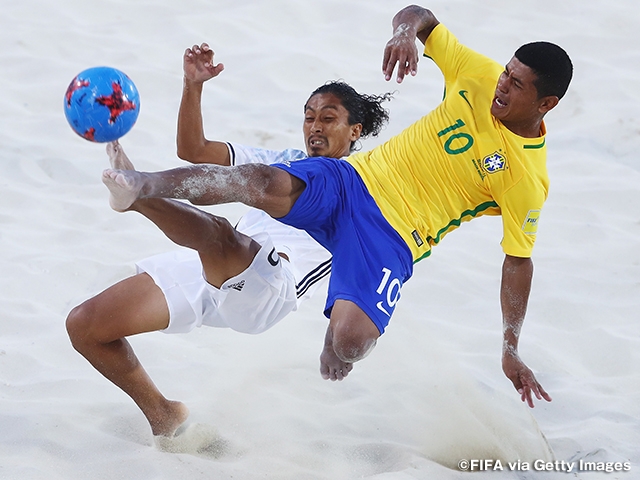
(432, 393)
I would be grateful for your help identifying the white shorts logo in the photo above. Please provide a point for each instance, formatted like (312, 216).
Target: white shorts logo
(237, 286)
(273, 257)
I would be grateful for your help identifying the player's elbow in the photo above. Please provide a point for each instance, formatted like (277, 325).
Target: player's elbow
(186, 153)
(192, 152)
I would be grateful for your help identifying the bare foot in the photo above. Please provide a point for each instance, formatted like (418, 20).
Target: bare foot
(124, 186)
(117, 157)
(196, 439)
(166, 421)
(331, 367)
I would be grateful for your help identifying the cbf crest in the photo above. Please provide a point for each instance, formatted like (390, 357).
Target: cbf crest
(495, 162)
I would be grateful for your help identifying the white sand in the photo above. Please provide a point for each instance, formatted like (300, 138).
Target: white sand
(432, 392)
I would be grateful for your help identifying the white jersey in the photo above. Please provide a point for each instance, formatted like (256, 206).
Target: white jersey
(310, 262)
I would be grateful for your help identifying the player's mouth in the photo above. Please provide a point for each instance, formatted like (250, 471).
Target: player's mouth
(316, 142)
(499, 103)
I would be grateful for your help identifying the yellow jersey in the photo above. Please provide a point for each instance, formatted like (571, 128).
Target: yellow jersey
(458, 162)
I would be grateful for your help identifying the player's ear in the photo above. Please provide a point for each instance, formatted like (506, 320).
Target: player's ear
(548, 103)
(356, 131)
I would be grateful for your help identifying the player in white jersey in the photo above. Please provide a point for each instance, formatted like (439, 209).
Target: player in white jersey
(245, 278)
(262, 294)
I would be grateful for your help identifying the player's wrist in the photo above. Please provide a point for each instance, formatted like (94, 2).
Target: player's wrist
(405, 30)
(509, 349)
(191, 83)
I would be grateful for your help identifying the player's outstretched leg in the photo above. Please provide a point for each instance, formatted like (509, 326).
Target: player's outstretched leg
(224, 252)
(97, 329)
(256, 185)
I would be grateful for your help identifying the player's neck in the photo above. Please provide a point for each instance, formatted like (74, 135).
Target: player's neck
(525, 129)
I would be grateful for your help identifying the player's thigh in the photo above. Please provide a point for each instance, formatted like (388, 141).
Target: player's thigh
(131, 306)
(227, 254)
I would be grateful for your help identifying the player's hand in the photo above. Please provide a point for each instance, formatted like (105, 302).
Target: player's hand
(401, 50)
(198, 64)
(522, 378)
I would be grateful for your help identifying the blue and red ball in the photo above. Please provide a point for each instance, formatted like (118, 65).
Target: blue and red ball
(101, 104)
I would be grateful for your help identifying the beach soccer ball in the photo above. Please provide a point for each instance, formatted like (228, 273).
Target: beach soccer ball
(101, 104)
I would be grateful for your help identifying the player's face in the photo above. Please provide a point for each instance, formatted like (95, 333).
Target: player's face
(516, 102)
(326, 128)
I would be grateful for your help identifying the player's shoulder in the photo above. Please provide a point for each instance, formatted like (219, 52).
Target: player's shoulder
(292, 154)
(241, 154)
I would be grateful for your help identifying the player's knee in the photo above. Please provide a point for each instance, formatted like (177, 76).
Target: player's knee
(222, 237)
(78, 325)
(353, 333)
(352, 346)
(219, 234)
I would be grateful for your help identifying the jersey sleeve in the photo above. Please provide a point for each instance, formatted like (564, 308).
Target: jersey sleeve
(521, 206)
(240, 155)
(453, 58)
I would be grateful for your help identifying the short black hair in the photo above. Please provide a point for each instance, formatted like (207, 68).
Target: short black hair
(551, 64)
(364, 109)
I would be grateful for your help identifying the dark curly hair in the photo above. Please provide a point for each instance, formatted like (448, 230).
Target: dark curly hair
(364, 109)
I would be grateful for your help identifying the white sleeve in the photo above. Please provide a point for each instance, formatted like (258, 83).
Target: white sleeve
(240, 155)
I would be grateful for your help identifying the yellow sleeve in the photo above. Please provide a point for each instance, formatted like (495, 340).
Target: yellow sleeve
(521, 206)
(520, 225)
(451, 56)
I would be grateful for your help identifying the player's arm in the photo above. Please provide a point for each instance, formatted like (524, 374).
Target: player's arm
(517, 274)
(192, 145)
(408, 24)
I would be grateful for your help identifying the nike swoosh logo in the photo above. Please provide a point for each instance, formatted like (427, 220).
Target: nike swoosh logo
(463, 94)
(381, 308)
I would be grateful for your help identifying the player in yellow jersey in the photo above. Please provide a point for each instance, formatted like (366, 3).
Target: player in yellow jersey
(482, 151)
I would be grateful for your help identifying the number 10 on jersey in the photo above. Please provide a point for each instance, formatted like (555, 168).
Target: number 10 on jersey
(392, 291)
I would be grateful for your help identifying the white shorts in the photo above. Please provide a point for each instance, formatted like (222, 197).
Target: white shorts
(250, 302)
